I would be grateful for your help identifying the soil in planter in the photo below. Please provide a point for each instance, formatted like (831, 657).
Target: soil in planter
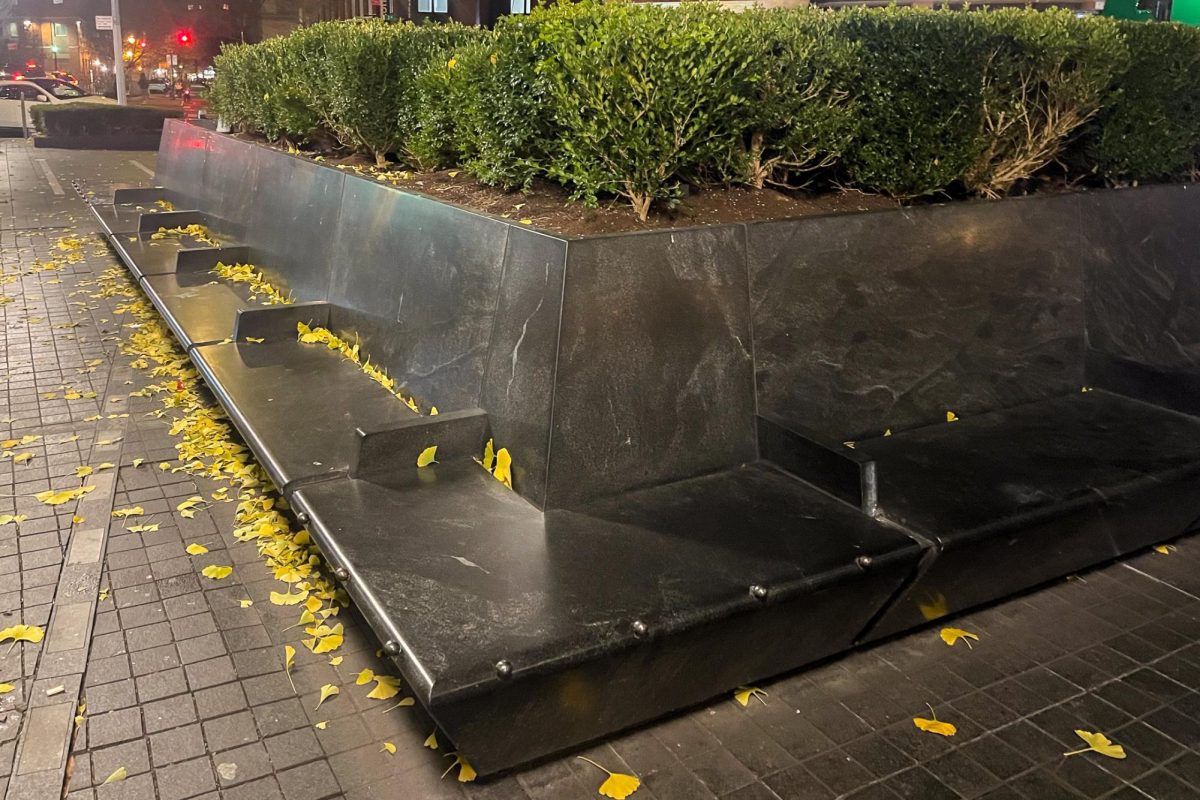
(547, 205)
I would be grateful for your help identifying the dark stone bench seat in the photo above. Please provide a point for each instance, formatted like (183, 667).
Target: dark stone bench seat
(297, 405)
(646, 595)
(199, 307)
(1019, 496)
(123, 214)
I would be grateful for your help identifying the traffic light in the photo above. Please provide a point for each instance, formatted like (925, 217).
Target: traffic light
(184, 37)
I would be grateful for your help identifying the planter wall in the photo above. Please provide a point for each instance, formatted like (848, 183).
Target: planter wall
(678, 405)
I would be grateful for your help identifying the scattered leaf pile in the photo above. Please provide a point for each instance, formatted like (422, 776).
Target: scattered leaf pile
(197, 231)
(262, 290)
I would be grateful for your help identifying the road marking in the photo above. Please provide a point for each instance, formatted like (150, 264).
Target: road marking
(55, 186)
(142, 167)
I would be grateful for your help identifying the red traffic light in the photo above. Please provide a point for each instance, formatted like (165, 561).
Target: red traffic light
(184, 37)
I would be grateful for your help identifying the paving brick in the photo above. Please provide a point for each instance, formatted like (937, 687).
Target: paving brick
(184, 780)
(178, 744)
(312, 781)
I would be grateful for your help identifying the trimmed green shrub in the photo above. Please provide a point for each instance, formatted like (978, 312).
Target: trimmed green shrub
(98, 119)
(503, 128)
(643, 95)
(630, 100)
(1048, 75)
(1151, 128)
(919, 97)
(371, 87)
(802, 116)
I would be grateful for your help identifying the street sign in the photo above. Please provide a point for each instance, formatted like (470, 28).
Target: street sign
(104, 23)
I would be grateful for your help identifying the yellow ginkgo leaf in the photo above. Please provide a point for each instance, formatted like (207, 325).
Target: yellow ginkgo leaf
(742, 694)
(934, 606)
(128, 512)
(78, 520)
(150, 528)
(327, 644)
(336, 661)
(56, 498)
(5, 688)
(118, 775)
(503, 471)
(466, 772)
(935, 726)
(617, 785)
(321, 725)
(288, 599)
(13, 519)
(405, 702)
(196, 549)
(83, 471)
(489, 455)
(137, 462)
(1165, 549)
(431, 740)
(366, 676)
(389, 747)
(22, 633)
(1099, 743)
(327, 691)
(289, 659)
(386, 687)
(245, 603)
(951, 416)
(216, 573)
(428, 456)
(106, 465)
(952, 635)
(21, 458)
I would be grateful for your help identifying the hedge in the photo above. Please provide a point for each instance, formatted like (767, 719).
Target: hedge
(98, 119)
(637, 101)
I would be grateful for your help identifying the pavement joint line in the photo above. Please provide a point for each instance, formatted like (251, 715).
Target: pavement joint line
(1184, 592)
(55, 186)
(142, 167)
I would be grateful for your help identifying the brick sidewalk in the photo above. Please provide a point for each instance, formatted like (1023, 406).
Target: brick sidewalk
(185, 685)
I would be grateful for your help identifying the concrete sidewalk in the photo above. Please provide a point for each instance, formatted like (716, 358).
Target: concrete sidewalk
(177, 681)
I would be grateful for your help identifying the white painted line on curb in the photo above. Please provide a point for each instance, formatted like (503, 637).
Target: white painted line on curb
(55, 186)
(142, 167)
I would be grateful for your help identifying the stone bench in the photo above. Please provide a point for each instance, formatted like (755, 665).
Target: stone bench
(726, 440)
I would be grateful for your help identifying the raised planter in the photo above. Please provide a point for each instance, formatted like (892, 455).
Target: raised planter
(687, 513)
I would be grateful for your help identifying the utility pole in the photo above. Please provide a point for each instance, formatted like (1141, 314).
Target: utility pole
(118, 53)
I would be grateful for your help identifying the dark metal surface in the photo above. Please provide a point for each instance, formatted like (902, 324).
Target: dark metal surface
(1020, 496)
(655, 378)
(843, 472)
(279, 322)
(462, 574)
(518, 382)
(390, 454)
(278, 395)
(182, 152)
(293, 221)
(421, 277)
(197, 306)
(865, 322)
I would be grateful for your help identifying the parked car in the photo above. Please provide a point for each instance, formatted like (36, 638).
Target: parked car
(63, 90)
(12, 92)
(157, 87)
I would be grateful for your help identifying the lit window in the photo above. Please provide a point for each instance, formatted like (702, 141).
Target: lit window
(424, 6)
(439, 6)
(60, 29)
(519, 6)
